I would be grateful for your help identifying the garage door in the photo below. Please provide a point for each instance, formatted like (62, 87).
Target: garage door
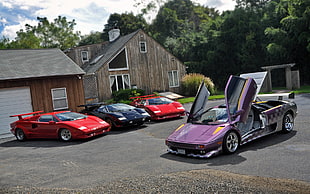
(13, 101)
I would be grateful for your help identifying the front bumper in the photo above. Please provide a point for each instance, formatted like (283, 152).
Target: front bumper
(196, 153)
(167, 116)
(194, 150)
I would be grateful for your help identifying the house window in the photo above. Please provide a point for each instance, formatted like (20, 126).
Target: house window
(59, 98)
(84, 55)
(119, 62)
(173, 77)
(143, 47)
(119, 82)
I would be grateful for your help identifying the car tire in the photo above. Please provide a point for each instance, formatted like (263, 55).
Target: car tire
(288, 123)
(231, 142)
(20, 135)
(65, 135)
(110, 123)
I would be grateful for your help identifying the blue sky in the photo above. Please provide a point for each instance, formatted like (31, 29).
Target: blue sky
(90, 15)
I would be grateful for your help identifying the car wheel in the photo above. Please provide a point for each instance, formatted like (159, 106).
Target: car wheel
(20, 135)
(288, 123)
(110, 123)
(231, 142)
(65, 135)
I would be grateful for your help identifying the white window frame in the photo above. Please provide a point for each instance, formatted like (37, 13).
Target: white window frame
(141, 43)
(56, 98)
(173, 78)
(123, 83)
(82, 54)
(119, 69)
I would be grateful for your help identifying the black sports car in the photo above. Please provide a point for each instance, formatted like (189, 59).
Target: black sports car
(117, 115)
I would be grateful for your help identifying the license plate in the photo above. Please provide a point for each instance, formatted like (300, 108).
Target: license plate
(181, 151)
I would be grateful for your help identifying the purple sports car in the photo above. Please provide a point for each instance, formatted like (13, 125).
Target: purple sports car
(224, 128)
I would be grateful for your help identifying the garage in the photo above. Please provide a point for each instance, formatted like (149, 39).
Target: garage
(13, 101)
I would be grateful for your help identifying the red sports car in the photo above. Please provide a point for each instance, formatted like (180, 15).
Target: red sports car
(64, 125)
(159, 107)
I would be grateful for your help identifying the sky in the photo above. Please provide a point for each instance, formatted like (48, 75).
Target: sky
(89, 15)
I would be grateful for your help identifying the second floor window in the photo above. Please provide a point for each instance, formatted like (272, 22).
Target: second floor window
(119, 62)
(143, 47)
(84, 55)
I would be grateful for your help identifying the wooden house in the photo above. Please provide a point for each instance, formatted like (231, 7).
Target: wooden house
(132, 61)
(37, 80)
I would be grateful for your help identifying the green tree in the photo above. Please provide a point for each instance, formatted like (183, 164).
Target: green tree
(126, 22)
(58, 34)
(289, 40)
(92, 38)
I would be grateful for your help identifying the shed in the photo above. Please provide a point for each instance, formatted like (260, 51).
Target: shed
(37, 79)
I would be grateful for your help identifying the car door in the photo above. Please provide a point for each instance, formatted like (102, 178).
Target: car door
(239, 95)
(199, 105)
(45, 127)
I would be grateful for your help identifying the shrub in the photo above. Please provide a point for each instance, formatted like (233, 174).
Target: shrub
(190, 84)
(124, 95)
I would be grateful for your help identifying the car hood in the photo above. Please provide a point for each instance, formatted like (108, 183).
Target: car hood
(131, 114)
(166, 108)
(196, 133)
(87, 123)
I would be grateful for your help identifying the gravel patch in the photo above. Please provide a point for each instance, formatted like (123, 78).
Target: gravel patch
(194, 181)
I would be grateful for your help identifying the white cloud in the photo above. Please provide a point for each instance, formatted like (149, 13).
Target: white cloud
(220, 5)
(89, 15)
(9, 31)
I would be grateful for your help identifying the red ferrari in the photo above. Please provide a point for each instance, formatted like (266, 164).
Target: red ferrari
(159, 107)
(64, 125)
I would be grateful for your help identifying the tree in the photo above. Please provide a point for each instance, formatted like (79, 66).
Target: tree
(58, 34)
(126, 22)
(92, 38)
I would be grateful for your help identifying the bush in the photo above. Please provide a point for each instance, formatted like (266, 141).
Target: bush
(124, 95)
(190, 84)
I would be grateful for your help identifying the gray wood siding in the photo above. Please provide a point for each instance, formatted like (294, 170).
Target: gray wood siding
(147, 71)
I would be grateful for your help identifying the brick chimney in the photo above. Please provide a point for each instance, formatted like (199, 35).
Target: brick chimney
(114, 34)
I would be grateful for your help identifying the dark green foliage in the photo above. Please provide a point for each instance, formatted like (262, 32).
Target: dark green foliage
(124, 95)
(92, 38)
(56, 34)
(126, 22)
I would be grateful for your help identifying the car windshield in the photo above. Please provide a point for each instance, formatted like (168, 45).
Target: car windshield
(158, 101)
(213, 116)
(70, 116)
(119, 108)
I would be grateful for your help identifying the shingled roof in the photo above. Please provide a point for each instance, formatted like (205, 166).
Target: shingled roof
(34, 63)
(108, 52)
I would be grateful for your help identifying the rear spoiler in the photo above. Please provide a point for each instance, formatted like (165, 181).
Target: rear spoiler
(280, 96)
(92, 104)
(145, 97)
(20, 116)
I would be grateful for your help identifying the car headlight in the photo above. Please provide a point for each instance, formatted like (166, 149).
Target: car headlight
(122, 118)
(102, 122)
(157, 111)
(145, 114)
(181, 108)
(82, 128)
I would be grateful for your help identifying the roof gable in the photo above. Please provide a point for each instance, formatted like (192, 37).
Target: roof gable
(33, 63)
(108, 52)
